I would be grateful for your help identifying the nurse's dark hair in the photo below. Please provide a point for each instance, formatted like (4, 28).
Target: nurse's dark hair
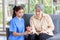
(16, 8)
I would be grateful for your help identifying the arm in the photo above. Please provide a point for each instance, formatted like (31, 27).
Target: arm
(32, 25)
(50, 23)
(19, 34)
(13, 29)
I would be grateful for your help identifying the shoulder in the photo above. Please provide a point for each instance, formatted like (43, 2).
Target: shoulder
(32, 17)
(46, 15)
(13, 19)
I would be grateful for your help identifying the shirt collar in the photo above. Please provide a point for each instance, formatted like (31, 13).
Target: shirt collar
(18, 18)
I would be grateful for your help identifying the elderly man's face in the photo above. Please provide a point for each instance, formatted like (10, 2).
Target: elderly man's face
(38, 12)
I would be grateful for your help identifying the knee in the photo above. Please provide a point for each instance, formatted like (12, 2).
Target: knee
(42, 36)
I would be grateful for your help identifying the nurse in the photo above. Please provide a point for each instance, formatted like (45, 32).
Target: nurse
(17, 28)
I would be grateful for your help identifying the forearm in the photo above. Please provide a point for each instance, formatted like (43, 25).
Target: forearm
(17, 34)
(20, 34)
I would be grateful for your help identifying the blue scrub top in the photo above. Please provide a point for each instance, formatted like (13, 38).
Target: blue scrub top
(17, 25)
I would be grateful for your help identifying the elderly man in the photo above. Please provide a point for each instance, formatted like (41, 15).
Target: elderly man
(42, 25)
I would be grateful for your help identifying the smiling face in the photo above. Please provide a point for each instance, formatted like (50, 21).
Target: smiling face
(39, 9)
(19, 13)
(38, 12)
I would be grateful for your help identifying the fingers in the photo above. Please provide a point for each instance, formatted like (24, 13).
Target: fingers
(29, 28)
(30, 32)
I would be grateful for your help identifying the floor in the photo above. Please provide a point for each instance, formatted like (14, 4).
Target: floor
(2, 37)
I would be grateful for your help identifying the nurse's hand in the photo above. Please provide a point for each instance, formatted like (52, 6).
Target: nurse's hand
(30, 32)
(26, 33)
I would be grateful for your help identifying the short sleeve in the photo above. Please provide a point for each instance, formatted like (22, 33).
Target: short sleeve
(12, 27)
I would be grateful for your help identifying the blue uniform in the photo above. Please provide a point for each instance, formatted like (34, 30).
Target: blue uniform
(17, 25)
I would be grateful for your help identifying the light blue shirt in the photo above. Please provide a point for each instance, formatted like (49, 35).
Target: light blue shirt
(17, 25)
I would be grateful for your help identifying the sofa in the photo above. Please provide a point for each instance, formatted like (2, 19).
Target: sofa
(55, 19)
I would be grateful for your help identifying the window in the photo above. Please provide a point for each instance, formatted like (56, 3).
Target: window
(50, 7)
(26, 8)
(25, 3)
(47, 2)
(1, 16)
(57, 6)
(8, 15)
(32, 5)
(58, 2)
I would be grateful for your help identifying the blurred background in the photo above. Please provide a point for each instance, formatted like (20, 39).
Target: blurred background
(50, 7)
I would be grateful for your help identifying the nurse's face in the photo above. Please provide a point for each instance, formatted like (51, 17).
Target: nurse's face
(19, 13)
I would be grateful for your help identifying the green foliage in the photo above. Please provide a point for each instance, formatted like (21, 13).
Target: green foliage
(48, 2)
(48, 9)
(59, 8)
(26, 8)
(32, 5)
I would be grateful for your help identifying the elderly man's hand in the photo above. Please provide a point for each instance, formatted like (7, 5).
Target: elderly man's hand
(29, 29)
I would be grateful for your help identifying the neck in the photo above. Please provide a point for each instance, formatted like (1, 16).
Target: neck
(18, 17)
(40, 16)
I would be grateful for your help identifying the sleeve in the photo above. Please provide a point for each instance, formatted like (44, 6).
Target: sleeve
(32, 25)
(50, 23)
(12, 27)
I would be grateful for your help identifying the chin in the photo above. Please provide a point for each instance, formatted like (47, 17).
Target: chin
(19, 16)
(37, 15)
